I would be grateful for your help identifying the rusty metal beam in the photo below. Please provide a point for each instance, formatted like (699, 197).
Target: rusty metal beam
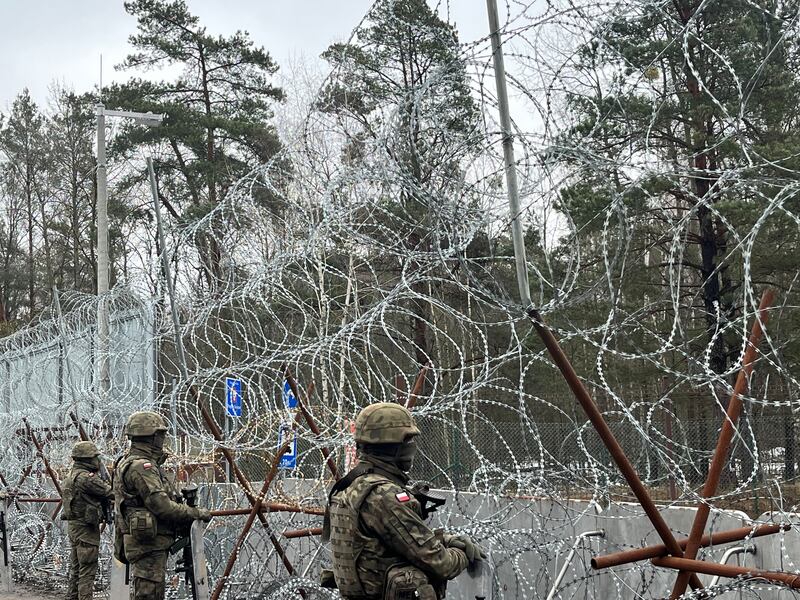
(268, 507)
(720, 456)
(241, 478)
(604, 431)
(255, 510)
(715, 539)
(299, 533)
(708, 568)
(411, 401)
(40, 450)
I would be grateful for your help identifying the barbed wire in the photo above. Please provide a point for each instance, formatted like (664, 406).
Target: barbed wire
(375, 248)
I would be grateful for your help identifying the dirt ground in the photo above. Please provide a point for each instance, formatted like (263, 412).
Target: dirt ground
(22, 593)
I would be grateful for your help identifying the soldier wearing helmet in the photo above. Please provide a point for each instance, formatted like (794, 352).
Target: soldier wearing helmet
(83, 495)
(382, 548)
(147, 513)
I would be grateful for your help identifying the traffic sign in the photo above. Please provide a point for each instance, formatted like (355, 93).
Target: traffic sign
(288, 396)
(233, 397)
(289, 458)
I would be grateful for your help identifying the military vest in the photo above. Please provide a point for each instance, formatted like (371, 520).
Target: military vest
(360, 562)
(78, 506)
(126, 500)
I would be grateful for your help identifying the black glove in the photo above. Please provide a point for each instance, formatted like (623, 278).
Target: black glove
(470, 548)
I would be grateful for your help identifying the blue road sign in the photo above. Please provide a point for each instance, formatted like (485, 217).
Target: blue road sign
(233, 397)
(288, 397)
(289, 458)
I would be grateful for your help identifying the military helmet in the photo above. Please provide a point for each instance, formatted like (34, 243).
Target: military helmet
(85, 450)
(142, 424)
(384, 423)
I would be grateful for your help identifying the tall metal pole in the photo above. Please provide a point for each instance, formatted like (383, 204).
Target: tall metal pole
(176, 323)
(561, 360)
(103, 383)
(508, 154)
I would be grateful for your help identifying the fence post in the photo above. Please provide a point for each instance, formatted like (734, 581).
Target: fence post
(6, 579)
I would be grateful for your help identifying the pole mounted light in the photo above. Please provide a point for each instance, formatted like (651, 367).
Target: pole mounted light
(103, 379)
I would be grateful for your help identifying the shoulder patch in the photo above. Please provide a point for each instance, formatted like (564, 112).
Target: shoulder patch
(402, 497)
(91, 474)
(147, 465)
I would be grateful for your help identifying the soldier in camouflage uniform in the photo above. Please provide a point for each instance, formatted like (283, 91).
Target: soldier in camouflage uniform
(148, 511)
(382, 549)
(83, 494)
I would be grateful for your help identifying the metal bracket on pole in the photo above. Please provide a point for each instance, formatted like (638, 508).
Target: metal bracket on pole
(6, 578)
(749, 548)
(562, 573)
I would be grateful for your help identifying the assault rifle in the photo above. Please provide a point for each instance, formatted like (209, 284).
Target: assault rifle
(185, 564)
(429, 501)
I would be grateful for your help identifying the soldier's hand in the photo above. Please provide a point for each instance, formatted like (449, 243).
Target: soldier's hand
(203, 514)
(470, 548)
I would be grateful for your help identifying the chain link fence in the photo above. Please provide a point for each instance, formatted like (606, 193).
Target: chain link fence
(565, 456)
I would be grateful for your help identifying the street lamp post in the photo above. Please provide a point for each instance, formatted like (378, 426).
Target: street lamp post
(103, 374)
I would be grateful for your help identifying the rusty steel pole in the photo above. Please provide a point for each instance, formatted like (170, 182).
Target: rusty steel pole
(268, 507)
(241, 478)
(300, 533)
(715, 539)
(686, 565)
(34, 500)
(582, 395)
(606, 435)
(40, 450)
(53, 478)
(411, 401)
(725, 437)
(255, 510)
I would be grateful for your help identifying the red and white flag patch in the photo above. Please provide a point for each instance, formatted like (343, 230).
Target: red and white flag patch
(403, 497)
(147, 465)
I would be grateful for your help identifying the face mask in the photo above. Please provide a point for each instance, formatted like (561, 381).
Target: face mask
(166, 452)
(406, 454)
(94, 463)
(158, 439)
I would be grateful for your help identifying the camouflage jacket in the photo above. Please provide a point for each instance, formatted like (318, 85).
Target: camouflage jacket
(147, 513)
(375, 524)
(83, 492)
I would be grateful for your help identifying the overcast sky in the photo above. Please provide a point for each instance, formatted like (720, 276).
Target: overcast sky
(46, 40)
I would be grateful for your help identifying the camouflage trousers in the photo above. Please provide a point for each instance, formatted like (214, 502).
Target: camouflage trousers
(148, 575)
(82, 569)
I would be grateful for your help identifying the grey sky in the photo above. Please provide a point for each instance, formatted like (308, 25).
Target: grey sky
(46, 40)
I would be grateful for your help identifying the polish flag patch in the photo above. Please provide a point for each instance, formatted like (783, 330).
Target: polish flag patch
(403, 497)
(147, 465)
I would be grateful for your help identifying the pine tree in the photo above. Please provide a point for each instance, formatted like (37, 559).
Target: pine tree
(218, 110)
(401, 88)
(702, 95)
(70, 132)
(22, 143)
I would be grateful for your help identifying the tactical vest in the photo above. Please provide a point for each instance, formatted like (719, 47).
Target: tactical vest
(121, 494)
(126, 500)
(359, 561)
(76, 505)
